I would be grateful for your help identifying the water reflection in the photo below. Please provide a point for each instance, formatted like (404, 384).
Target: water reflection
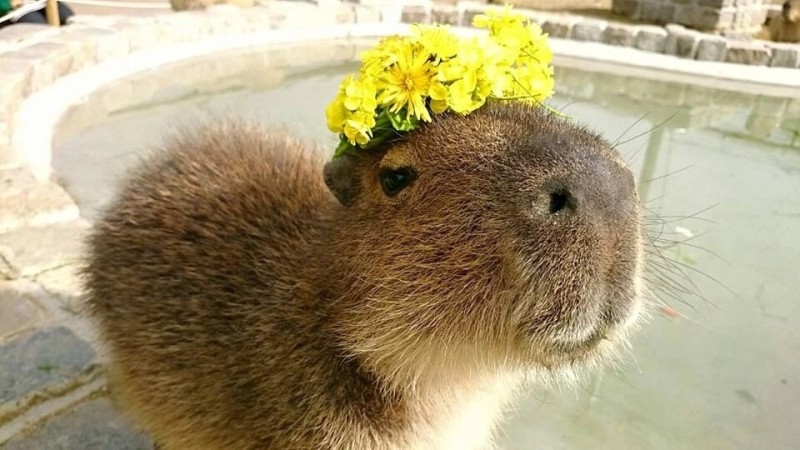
(767, 119)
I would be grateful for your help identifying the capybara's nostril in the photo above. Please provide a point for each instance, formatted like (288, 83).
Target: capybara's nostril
(559, 201)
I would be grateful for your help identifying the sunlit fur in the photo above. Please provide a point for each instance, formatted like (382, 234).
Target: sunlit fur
(246, 308)
(786, 27)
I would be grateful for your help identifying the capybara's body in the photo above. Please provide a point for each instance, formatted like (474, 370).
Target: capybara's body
(255, 298)
(786, 27)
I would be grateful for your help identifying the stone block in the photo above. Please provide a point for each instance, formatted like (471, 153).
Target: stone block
(96, 424)
(712, 48)
(143, 34)
(16, 82)
(589, 30)
(742, 18)
(18, 312)
(470, 9)
(559, 27)
(666, 13)
(650, 38)
(625, 7)
(416, 14)
(34, 250)
(715, 3)
(365, 14)
(444, 14)
(88, 38)
(681, 42)
(784, 55)
(84, 53)
(25, 202)
(709, 19)
(25, 31)
(648, 11)
(622, 35)
(45, 362)
(686, 45)
(685, 15)
(58, 55)
(47, 60)
(752, 53)
(64, 287)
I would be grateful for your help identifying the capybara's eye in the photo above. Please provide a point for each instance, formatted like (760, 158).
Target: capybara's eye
(394, 180)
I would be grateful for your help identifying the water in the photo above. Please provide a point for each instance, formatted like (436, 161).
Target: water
(722, 174)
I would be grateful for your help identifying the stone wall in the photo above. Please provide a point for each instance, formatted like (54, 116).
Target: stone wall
(704, 15)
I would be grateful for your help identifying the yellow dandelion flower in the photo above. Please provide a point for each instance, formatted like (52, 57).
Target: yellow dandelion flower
(406, 84)
(376, 60)
(437, 40)
(405, 80)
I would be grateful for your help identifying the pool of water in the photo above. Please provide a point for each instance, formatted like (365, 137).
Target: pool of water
(720, 175)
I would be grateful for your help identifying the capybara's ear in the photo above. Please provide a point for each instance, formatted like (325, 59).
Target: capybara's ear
(343, 177)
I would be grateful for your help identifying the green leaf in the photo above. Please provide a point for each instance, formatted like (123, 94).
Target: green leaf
(403, 123)
(343, 147)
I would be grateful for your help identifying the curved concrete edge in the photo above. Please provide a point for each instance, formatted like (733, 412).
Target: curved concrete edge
(44, 109)
(130, 46)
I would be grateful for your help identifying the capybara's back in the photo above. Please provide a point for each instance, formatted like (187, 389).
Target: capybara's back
(189, 275)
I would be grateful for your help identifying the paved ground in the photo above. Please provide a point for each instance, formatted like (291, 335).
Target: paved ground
(47, 366)
(46, 361)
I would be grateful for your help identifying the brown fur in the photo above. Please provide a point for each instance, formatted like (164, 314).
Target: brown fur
(247, 309)
(786, 27)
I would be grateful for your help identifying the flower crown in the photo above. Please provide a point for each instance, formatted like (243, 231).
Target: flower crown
(406, 80)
